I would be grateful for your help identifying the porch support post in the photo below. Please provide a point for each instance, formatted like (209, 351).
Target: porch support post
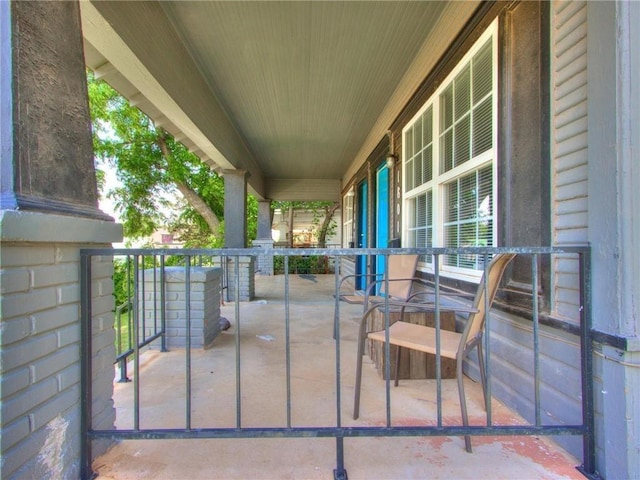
(264, 240)
(48, 212)
(614, 228)
(264, 219)
(235, 208)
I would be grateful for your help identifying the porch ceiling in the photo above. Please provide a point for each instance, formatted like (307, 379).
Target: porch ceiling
(289, 91)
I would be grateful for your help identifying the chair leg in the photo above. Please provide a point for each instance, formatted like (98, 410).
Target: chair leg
(397, 369)
(483, 375)
(361, 343)
(463, 403)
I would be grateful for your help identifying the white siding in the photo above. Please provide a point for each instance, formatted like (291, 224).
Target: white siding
(569, 146)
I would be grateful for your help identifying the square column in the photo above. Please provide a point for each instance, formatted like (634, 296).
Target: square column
(235, 208)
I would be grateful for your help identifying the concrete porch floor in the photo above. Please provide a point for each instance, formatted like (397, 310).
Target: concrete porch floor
(263, 392)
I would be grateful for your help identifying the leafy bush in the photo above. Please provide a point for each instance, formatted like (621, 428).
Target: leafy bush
(311, 264)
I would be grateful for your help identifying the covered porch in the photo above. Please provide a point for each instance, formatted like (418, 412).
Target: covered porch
(264, 404)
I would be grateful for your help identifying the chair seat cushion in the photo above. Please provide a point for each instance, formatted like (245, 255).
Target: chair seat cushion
(420, 337)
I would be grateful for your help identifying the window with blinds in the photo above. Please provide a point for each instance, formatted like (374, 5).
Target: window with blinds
(448, 158)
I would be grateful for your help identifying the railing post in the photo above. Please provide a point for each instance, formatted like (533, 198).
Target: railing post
(589, 447)
(85, 367)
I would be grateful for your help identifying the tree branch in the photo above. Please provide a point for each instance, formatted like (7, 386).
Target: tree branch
(194, 199)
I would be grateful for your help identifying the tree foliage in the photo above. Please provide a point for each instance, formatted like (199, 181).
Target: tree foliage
(151, 167)
(324, 224)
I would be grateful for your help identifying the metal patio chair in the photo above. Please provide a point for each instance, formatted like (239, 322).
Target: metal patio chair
(401, 279)
(453, 345)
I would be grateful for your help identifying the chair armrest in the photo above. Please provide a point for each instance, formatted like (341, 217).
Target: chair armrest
(347, 277)
(428, 307)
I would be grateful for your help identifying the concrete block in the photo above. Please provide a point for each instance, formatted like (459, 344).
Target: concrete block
(27, 351)
(23, 403)
(173, 286)
(14, 432)
(101, 305)
(104, 287)
(14, 280)
(21, 256)
(51, 364)
(21, 304)
(48, 275)
(68, 294)
(15, 381)
(55, 318)
(105, 419)
(101, 268)
(69, 376)
(16, 329)
(68, 335)
(47, 411)
(64, 253)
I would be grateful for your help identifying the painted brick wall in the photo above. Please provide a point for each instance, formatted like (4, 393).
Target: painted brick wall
(246, 267)
(205, 293)
(264, 262)
(40, 353)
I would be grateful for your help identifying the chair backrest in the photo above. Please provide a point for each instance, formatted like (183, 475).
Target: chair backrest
(496, 269)
(402, 268)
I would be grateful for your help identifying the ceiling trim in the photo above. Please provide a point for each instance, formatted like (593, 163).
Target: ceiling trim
(303, 189)
(99, 33)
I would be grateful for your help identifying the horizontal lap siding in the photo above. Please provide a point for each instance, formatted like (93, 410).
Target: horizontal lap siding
(512, 374)
(569, 147)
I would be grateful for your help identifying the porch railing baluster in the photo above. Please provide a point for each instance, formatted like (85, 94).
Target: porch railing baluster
(536, 336)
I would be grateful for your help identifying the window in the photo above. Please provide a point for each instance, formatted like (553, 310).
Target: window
(347, 223)
(449, 153)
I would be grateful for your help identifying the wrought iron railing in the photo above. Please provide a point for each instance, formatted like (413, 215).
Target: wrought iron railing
(221, 258)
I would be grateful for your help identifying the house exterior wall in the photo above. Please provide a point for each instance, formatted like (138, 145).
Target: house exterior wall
(569, 145)
(593, 182)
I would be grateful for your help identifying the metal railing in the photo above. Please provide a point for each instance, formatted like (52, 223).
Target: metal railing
(337, 429)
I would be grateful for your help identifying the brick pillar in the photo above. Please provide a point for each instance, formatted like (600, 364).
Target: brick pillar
(40, 341)
(205, 288)
(246, 267)
(264, 261)
(264, 240)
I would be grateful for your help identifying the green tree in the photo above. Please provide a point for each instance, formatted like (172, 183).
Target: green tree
(151, 167)
(324, 224)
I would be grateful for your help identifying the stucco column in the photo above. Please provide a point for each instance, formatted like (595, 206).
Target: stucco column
(264, 219)
(47, 151)
(235, 208)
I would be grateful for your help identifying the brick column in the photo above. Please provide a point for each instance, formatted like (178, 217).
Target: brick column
(205, 288)
(246, 266)
(40, 340)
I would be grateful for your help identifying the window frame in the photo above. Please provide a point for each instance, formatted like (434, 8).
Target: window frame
(348, 216)
(439, 179)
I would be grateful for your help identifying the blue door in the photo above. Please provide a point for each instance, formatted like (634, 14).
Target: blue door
(382, 215)
(362, 240)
